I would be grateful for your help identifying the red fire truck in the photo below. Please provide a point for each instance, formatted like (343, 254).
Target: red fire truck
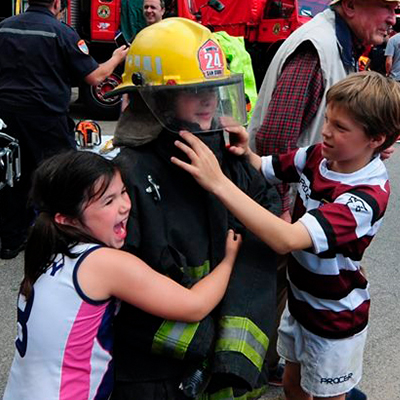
(264, 24)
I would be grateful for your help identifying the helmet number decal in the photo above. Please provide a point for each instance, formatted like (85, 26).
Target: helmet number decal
(211, 60)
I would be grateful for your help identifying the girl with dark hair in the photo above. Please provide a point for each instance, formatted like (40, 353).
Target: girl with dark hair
(73, 273)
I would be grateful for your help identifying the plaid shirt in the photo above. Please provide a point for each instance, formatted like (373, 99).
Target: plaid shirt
(294, 103)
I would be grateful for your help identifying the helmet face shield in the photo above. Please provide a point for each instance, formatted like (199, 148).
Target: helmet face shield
(198, 107)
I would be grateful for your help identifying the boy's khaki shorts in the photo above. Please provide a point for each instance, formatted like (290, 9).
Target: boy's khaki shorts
(329, 367)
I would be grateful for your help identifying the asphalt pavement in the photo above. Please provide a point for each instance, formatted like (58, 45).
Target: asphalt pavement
(381, 378)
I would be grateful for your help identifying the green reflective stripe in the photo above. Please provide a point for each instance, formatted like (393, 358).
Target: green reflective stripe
(199, 272)
(173, 338)
(254, 394)
(241, 347)
(224, 394)
(236, 334)
(242, 335)
(227, 394)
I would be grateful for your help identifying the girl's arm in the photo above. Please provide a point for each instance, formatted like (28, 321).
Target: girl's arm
(108, 272)
(280, 235)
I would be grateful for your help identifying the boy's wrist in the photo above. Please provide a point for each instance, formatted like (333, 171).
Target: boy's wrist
(248, 152)
(254, 159)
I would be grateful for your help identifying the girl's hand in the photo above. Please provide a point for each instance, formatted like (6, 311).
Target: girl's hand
(232, 246)
(204, 166)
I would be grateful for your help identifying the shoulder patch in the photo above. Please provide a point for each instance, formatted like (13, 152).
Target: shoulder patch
(83, 47)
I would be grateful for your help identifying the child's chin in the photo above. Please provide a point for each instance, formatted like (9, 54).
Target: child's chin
(205, 126)
(117, 244)
(325, 154)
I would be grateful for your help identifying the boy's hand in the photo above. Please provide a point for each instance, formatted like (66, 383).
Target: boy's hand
(233, 243)
(239, 141)
(204, 166)
(238, 136)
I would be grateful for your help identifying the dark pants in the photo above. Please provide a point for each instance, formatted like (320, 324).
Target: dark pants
(39, 137)
(154, 390)
(281, 298)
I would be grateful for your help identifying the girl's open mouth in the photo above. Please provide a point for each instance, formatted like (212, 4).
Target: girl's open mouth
(120, 230)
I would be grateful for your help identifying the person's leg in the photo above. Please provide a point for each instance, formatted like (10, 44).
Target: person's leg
(292, 386)
(39, 137)
(356, 394)
(167, 389)
(340, 397)
(291, 383)
(15, 217)
(281, 297)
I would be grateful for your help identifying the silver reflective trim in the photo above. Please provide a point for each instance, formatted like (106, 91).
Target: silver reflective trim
(169, 346)
(246, 336)
(27, 32)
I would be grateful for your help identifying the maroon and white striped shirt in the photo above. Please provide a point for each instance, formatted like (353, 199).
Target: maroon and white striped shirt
(328, 294)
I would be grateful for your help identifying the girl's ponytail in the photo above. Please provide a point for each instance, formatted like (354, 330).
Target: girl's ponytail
(40, 248)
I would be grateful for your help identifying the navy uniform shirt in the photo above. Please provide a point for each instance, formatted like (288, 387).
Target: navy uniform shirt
(40, 57)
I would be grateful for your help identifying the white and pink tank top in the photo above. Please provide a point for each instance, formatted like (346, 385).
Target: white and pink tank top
(64, 341)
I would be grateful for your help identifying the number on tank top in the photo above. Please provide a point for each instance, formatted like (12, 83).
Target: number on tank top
(23, 313)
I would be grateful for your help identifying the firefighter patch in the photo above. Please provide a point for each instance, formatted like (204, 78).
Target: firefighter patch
(276, 29)
(83, 47)
(211, 60)
(104, 12)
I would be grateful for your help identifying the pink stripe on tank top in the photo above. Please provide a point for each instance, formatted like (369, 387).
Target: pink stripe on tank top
(76, 367)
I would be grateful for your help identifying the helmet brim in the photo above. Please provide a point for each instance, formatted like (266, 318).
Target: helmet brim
(128, 87)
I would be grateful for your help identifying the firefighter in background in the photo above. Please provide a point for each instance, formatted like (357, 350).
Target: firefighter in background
(176, 78)
(40, 58)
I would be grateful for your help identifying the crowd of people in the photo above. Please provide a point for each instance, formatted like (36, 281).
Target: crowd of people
(203, 255)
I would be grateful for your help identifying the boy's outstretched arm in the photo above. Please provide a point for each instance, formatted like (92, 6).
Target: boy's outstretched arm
(280, 235)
